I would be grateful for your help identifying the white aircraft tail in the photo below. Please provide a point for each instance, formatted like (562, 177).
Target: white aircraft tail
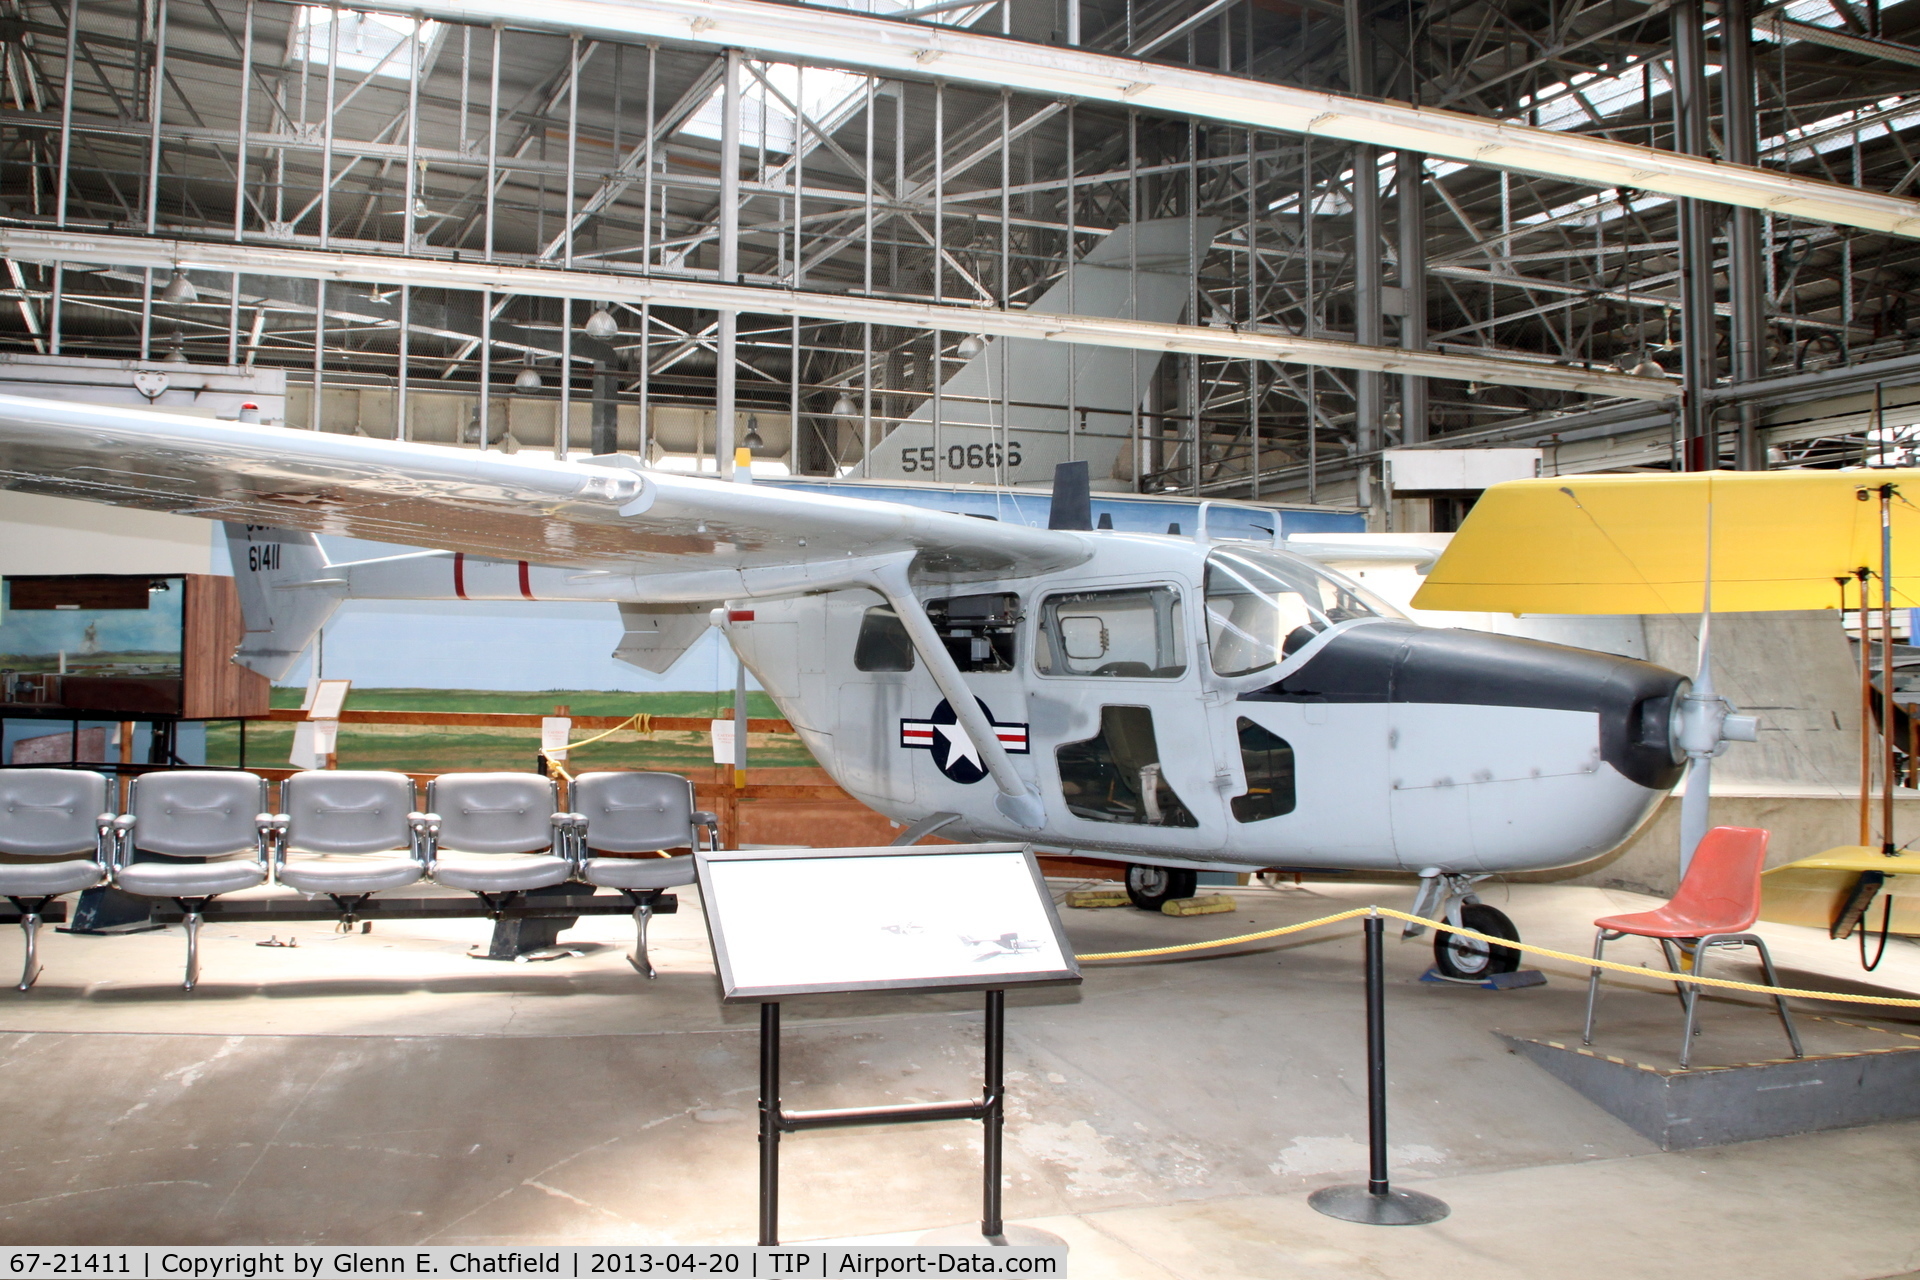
(286, 594)
(1004, 414)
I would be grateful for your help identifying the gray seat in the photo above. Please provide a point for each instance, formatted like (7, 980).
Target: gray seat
(495, 834)
(348, 835)
(191, 835)
(630, 813)
(57, 820)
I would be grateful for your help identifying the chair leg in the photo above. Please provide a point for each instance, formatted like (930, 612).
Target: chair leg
(1779, 1001)
(1593, 985)
(639, 960)
(192, 923)
(1692, 1002)
(30, 970)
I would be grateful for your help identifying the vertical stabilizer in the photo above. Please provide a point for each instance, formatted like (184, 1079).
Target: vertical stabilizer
(1022, 406)
(286, 594)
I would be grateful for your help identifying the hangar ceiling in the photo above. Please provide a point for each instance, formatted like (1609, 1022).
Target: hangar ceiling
(602, 153)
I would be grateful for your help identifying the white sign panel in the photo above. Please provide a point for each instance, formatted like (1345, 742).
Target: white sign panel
(944, 917)
(1420, 470)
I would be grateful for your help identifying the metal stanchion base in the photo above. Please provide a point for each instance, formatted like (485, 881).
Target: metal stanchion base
(1394, 1209)
(1016, 1237)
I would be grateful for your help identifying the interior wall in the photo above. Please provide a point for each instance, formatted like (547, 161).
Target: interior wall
(57, 535)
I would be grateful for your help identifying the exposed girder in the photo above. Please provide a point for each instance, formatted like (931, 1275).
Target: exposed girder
(28, 245)
(918, 52)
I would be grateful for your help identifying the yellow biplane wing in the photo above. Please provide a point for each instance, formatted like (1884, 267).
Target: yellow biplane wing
(1637, 543)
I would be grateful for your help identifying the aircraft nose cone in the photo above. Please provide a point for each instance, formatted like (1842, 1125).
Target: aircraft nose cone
(1402, 662)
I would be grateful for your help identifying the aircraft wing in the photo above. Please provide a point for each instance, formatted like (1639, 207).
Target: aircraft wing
(719, 539)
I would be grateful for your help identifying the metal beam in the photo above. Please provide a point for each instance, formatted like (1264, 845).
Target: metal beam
(924, 53)
(31, 245)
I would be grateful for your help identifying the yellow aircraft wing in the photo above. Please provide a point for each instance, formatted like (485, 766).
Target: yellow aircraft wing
(1637, 543)
(1812, 890)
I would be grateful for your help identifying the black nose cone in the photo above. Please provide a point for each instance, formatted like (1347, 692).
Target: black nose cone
(1401, 662)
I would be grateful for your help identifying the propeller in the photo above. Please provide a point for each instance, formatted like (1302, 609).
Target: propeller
(1704, 723)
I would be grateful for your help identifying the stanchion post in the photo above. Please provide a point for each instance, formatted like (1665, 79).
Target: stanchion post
(1377, 1204)
(1376, 1057)
(991, 1225)
(769, 1123)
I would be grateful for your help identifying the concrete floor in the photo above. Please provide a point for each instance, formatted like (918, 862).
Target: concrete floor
(1167, 1118)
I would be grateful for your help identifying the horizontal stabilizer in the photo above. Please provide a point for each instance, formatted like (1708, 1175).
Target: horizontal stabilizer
(657, 634)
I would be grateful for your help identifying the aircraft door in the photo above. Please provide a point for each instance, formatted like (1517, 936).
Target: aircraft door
(1132, 754)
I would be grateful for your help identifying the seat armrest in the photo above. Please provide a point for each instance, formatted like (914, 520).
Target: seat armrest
(267, 828)
(281, 823)
(710, 821)
(425, 829)
(103, 841)
(122, 846)
(560, 824)
(577, 833)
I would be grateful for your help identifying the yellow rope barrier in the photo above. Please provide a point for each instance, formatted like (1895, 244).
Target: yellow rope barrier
(640, 722)
(1585, 961)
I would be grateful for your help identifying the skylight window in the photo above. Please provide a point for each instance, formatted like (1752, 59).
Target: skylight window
(959, 16)
(384, 44)
(1815, 13)
(826, 96)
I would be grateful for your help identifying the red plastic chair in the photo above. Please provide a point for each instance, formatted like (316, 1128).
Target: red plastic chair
(1717, 903)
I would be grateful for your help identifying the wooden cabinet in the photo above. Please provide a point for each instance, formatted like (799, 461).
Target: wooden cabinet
(146, 646)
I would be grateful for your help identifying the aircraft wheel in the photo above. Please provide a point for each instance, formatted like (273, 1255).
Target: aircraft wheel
(1151, 887)
(1470, 958)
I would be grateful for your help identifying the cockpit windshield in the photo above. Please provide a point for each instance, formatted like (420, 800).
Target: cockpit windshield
(1262, 606)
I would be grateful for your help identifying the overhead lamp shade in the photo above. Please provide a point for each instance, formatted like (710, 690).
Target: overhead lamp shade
(970, 346)
(1638, 543)
(527, 379)
(844, 407)
(601, 324)
(179, 289)
(753, 438)
(177, 352)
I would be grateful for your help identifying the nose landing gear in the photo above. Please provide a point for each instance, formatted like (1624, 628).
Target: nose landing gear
(1449, 896)
(1470, 959)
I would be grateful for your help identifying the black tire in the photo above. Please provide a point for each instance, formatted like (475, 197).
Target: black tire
(1469, 958)
(1152, 887)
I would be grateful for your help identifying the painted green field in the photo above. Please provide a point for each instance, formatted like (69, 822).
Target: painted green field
(421, 749)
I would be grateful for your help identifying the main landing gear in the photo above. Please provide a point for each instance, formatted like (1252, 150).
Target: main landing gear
(1150, 888)
(1444, 896)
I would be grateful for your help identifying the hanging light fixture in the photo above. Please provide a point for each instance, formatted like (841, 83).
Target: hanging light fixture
(753, 439)
(179, 289)
(970, 346)
(1390, 423)
(844, 407)
(528, 379)
(177, 350)
(601, 324)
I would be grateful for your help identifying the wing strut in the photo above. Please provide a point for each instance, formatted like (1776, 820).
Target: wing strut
(1015, 800)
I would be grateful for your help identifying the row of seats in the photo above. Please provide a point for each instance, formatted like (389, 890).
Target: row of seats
(191, 835)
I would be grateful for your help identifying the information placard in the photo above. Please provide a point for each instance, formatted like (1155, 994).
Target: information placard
(927, 918)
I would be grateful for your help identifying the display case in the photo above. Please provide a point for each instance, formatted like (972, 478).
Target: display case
(121, 646)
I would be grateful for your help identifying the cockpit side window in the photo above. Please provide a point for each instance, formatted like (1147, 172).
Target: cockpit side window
(1267, 760)
(1134, 633)
(1262, 606)
(883, 644)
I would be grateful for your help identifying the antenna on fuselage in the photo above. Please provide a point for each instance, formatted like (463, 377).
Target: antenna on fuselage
(1072, 505)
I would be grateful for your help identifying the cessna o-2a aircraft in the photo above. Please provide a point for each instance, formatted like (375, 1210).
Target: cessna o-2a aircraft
(1178, 703)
